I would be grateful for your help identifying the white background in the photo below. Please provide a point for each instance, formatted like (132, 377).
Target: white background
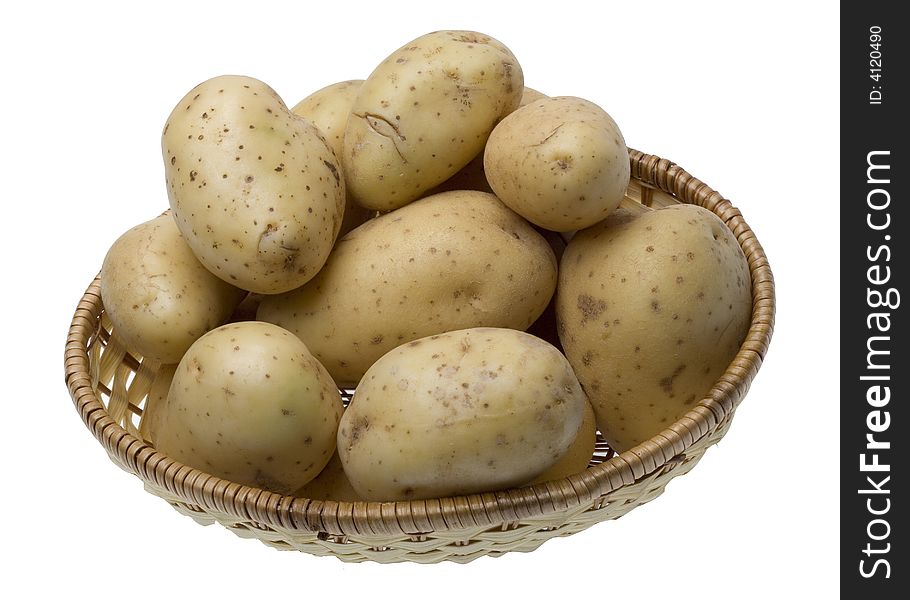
(744, 98)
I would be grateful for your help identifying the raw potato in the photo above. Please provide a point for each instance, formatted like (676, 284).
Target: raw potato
(450, 261)
(154, 409)
(159, 298)
(328, 110)
(580, 452)
(474, 410)
(256, 191)
(651, 310)
(331, 484)
(424, 113)
(561, 163)
(249, 403)
(472, 177)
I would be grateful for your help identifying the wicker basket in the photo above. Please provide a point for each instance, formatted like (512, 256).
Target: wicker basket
(109, 386)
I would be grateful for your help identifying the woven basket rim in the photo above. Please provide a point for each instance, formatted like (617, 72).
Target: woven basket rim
(417, 517)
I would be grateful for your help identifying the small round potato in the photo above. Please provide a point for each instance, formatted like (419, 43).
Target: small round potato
(561, 163)
(580, 452)
(256, 191)
(328, 110)
(651, 309)
(249, 403)
(159, 298)
(467, 411)
(450, 261)
(424, 113)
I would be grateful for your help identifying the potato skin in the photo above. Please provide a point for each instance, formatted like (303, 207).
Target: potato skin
(424, 113)
(255, 190)
(446, 262)
(579, 454)
(159, 298)
(249, 403)
(461, 412)
(328, 110)
(651, 310)
(559, 162)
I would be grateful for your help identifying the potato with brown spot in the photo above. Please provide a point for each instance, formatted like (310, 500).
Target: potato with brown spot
(250, 404)
(651, 309)
(473, 410)
(328, 110)
(450, 261)
(159, 298)
(424, 113)
(255, 189)
(561, 163)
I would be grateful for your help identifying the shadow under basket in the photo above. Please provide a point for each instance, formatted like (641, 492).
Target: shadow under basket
(109, 388)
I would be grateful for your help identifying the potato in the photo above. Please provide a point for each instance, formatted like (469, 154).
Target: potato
(578, 456)
(651, 309)
(474, 410)
(424, 113)
(561, 163)
(249, 403)
(255, 190)
(472, 177)
(331, 484)
(328, 110)
(450, 261)
(531, 95)
(159, 298)
(154, 409)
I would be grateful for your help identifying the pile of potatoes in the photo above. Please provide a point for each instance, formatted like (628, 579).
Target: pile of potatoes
(442, 239)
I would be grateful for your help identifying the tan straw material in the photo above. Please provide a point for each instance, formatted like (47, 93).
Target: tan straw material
(109, 386)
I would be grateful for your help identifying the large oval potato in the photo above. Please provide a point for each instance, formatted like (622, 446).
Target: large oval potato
(249, 403)
(561, 163)
(255, 189)
(466, 411)
(328, 110)
(424, 113)
(446, 262)
(159, 298)
(651, 309)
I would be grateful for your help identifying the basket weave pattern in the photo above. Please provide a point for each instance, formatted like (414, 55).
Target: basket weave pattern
(109, 386)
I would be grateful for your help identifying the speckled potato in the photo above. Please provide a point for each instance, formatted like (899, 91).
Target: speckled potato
(159, 298)
(154, 409)
(328, 110)
(560, 162)
(331, 484)
(651, 309)
(249, 403)
(579, 454)
(467, 411)
(255, 189)
(450, 261)
(424, 113)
